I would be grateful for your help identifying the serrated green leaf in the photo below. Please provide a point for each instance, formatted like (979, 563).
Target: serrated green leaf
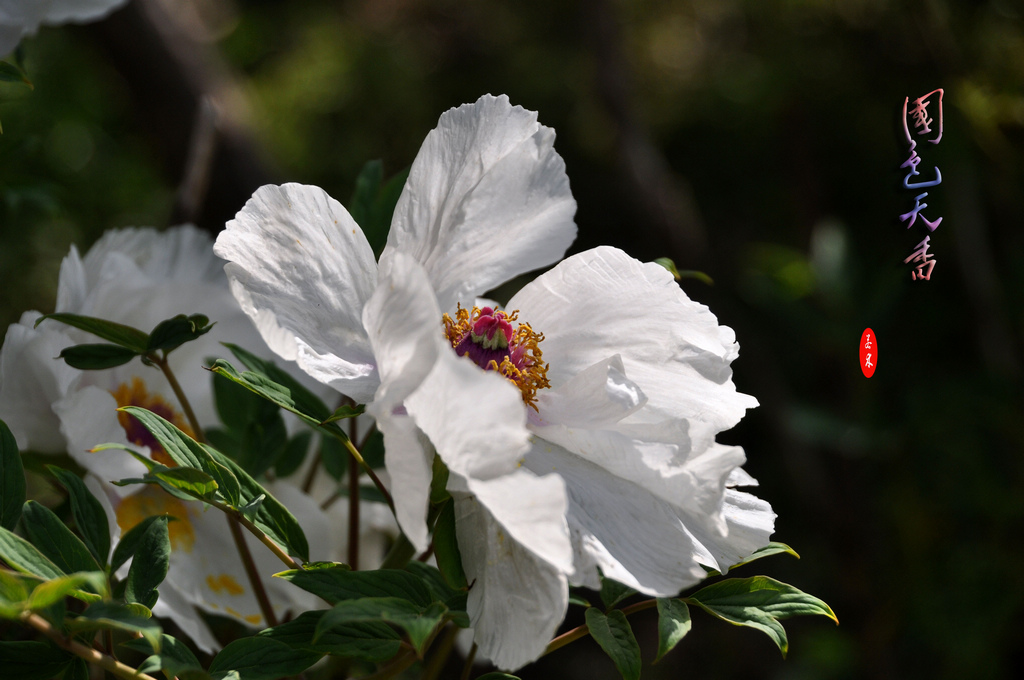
(149, 568)
(446, 548)
(89, 515)
(119, 334)
(173, 333)
(759, 602)
(418, 622)
(22, 556)
(370, 641)
(111, 616)
(613, 592)
(12, 479)
(30, 660)
(130, 541)
(613, 633)
(96, 357)
(335, 584)
(673, 624)
(262, 658)
(49, 534)
(55, 590)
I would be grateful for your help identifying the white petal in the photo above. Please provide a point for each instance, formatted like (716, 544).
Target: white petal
(88, 417)
(299, 263)
(599, 396)
(603, 302)
(174, 605)
(403, 324)
(475, 418)
(31, 380)
(79, 11)
(517, 600)
(634, 536)
(750, 524)
(487, 199)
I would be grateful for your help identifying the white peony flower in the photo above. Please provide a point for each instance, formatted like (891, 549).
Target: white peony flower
(140, 277)
(487, 199)
(604, 377)
(19, 18)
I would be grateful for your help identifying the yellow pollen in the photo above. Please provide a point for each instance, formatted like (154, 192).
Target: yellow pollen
(254, 619)
(151, 501)
(136, 394)
(225, 583)
(527, 370)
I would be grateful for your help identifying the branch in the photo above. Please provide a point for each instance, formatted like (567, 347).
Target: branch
(78, 649)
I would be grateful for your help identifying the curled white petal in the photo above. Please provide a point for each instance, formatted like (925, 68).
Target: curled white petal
(487, 199)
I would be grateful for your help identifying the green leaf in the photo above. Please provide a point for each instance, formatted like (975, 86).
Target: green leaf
(613, 592)
(613, 634)
(96, 357)
(334, 457)
(294, 454)
(772, 548)
(48, 533)
(10, 73)
(32, 660)
(759, 602)
(446, 548)
(89, 515)
(263, 443)
(129, 543)
(111, 616)
(182, 449)
(12, 478)
(335, 584)
(227, 481)
(119, 334)
(673, 624)
(365, 194)
(272, 517)
(419, 622)
(149, 568)
(262, 658)
(194, 482)
(345, 411)
(77, 670)
(439, 482)
(299, 396)
(251, 510)
(174, 656)
(371, 641)
(22, 556)
(13, 594)
(578, 600)
(51, 592)
(373, 203)
(173, 333)
(440, 591)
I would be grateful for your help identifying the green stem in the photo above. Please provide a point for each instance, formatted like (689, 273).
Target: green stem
(78, 649)
(444, 649)
(193, 422)
(399, 664)
(467, 667)
(258, 533)
(582, 631)
(369, 471)
(251, 571)
(353, 499)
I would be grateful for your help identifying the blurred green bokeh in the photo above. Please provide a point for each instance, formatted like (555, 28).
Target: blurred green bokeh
(755, 140)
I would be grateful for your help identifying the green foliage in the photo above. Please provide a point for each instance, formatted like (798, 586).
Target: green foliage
(417, 621)
(613, 592)
(29, 660)
(373, 202)
(12, 479)
(131, 540)
(113, 616)
(22, 556)
(117, 333)
(172, 656)
(615, 636)
(673, 624)
(254, 436)
(96, 357)
(281, 385)
(149, 567)
(176, 331)
(446, 547)
(89, 516)
(372, 641)
(47, 594)
(338, 583)
(261, 658)
(759, 602)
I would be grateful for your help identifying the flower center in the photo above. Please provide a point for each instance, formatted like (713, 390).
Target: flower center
(487, 337)
(136, 394)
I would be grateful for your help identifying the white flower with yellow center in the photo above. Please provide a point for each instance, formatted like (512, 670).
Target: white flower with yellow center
(19, 18)
(140, 277)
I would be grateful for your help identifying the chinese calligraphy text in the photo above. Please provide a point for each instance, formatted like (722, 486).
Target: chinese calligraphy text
(917, 116)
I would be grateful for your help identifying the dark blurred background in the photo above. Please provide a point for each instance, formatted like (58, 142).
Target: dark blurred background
(755, 140)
